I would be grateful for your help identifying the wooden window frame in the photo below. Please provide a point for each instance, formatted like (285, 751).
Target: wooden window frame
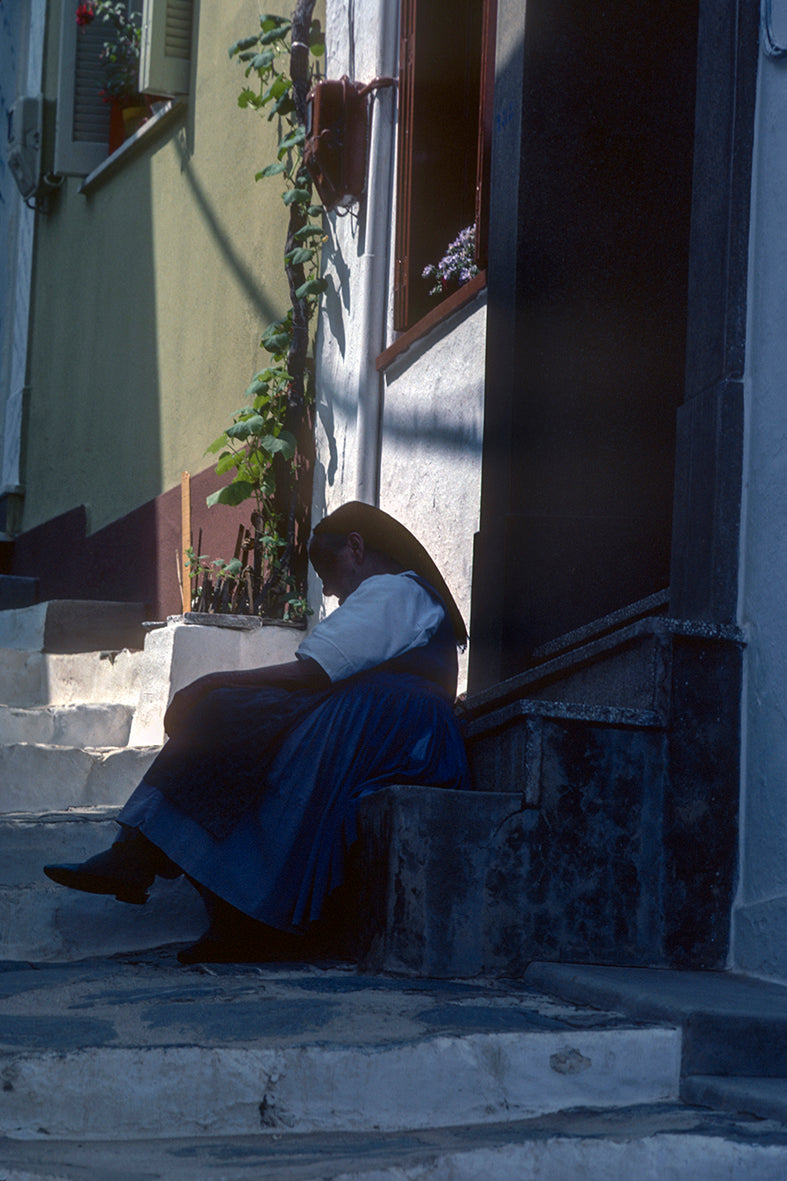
(405, 211)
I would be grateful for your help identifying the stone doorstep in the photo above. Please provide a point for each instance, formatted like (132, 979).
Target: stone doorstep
(647, 1142)
(626, 668)
(39, 777)
(765, 1098)
(66, 725)
(732, 1025)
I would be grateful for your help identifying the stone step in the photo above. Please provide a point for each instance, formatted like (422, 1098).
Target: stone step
(461, 882)
(73, 625)
(40, 777)
(765, 1098)
(30, 678)
(648, 1142)
(66, 725)
(146, 1048)
(732, 1025)
(41, 921)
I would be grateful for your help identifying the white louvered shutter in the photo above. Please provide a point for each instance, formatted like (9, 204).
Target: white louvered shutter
(165, 60)
(82, 117)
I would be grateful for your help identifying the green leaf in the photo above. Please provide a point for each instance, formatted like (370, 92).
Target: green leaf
(234, 493)
(272, 170)
(277, 34)
(276, 343)
(311, 287)
(261, 61)
(226, 463)
(299, 255)
(317, 48)
(309, 232)
(279, 86)
(254, 425)
(246, 98)
(293, 196)
(292, 140)
(282, 106)
(259, 385)
(217, 444)
(244, 43)
(283, 444)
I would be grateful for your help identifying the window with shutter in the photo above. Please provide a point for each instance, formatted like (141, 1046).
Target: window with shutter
(445, 81)
(165, 60)
(82, 117)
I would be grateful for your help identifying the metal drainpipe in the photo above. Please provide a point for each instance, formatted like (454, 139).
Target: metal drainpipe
(373, 263)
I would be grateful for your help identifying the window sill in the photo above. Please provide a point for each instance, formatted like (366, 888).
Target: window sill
(445, 308)
(135, 143)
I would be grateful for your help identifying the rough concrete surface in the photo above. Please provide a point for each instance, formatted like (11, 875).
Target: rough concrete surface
(647, 1143)
(145, 1047)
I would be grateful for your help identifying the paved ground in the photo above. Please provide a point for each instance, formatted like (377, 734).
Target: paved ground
(643, 1143)
(149, 999)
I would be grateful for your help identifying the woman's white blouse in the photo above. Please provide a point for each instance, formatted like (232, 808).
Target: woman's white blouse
(387, 615)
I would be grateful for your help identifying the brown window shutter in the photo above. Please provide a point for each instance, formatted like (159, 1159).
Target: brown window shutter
(404, 162)
(440, 190)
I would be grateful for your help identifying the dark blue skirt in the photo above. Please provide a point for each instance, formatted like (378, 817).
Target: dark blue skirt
(287, 851)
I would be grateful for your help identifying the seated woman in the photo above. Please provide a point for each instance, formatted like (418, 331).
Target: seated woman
(254, 797)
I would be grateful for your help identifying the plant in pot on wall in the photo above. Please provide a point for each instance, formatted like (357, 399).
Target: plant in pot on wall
(456, 267)
(268, 448)
(119, 57)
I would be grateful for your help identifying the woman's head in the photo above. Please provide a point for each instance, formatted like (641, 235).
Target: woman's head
(344, 560)
(358, 540)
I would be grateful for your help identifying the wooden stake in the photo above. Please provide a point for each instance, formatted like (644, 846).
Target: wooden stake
(185, 534)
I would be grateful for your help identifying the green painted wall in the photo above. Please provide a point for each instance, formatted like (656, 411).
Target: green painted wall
(150, 296)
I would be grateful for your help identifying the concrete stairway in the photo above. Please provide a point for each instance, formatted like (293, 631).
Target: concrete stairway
(66, 766)
(129, 1065)
(80, 722)
(135, 1067)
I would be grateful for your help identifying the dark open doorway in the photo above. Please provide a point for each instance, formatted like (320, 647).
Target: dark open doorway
(586, 353)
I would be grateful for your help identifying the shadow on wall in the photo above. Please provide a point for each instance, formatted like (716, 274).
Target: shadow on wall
(135, 559)
(242, 272)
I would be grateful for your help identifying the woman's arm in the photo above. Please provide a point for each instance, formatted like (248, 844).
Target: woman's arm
(295, 674)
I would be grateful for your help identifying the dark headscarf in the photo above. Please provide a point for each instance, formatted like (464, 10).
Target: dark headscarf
(387, 535)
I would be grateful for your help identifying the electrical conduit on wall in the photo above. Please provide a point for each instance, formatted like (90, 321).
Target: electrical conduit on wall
(374, 260)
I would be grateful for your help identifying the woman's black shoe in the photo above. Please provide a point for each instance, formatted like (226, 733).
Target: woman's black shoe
(234, 938)
(103, 875)
(126, 869)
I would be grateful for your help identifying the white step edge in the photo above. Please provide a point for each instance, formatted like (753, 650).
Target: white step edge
(37, 777)
(66, 725)
(151, 1091)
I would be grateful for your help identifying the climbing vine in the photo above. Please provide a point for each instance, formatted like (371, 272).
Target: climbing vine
(269, 445)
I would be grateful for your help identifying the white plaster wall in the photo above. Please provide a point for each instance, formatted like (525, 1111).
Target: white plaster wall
(760, 915)
(431, 454)
(429, 403)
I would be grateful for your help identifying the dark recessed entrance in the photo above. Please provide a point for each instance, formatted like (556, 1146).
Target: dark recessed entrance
(586, 355)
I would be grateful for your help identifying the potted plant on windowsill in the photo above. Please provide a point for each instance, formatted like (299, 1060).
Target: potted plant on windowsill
(456, 267)
(120, 59)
